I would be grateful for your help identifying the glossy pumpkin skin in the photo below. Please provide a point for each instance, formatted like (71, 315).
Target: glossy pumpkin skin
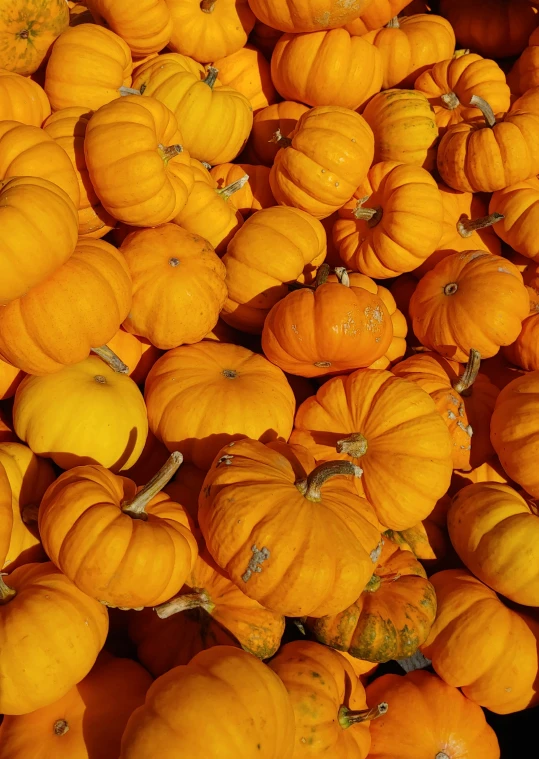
(309, 68)
(391, 618)
(459, 78)
(320, 682)
(329, 560)
(519, 204)
(331, 329)
(406, 228)
(99, 64)
(329, 156)
(275, 246)
(469, 300)
(22, 99)
(314, 16)
(447, 724)
(178, 285)
(133, 133)
(281, 116)
(200, 397)
(256, 192)
(209, 32)
(92, 291)
(74, 418)
(146, 31)
(482, 646)
(404, 127)
(27, 32)
(248, 72)
(389, 412)
(236, 688)
(74, 626)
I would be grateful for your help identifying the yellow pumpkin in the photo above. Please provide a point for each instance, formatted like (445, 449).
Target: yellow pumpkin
(248, 72)
(27, 31)
(146, 28)
(22, 99)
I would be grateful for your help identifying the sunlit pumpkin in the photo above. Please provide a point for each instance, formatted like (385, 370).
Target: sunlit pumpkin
(27, 31)
(146, 31)
(22, 99)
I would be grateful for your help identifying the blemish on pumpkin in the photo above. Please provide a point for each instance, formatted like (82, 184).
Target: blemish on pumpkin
(100, 379)
(451, 415)
(225, 459)
(258, 558)
(467, 429)
(173, 262)
(504, 271)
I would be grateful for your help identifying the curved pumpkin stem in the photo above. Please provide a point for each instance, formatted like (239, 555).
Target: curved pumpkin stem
(107, 355)
(128, 91)
(355, 445)
(311, 487)
(485, 109)
(371, 215)
(278, 139)
(6, 593)
(211, 76)
(230, 189)
(136, 507)
(463, 385)
(168, 152)
(450, 100)
(342, 275)
(347, 717)
(466, 227)
(185, 601)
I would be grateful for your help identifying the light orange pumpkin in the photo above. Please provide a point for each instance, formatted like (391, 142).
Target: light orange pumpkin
(255, 193)
(281, 117)
(295, 16)
(248, 72)
(22, 99)
(28, 31)
(146, 31)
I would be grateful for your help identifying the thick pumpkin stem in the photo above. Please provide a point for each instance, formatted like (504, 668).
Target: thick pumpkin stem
(466, 227)
(136, 507)
(169, 152)
(61, 727)
(128, 91)
(354, 445)
(463, 385)
(347, 717)
(342, 275)
(485, 109)
(393, 23)
(370, 215)
(322, 275)
(181, 603)
(311, 487)
(211, 76)
(207, 6)
(107, 355)
(450, 100)
(6, 593)
(278, 139)
(230, 189)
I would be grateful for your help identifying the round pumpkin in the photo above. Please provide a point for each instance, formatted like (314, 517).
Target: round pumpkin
(280, 117)
(27, 31)
(254, 195)
(524, 351)
(22, 99)
(295, 16)
(248, 72)
(518, 204)
(524, 73)
(146, 31)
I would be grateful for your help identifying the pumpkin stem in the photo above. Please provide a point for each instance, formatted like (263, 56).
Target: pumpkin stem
(322, 275)
(374, 583)
(278, 139)
(206, 165)
(310, 487)
(354, 445)
(450, 100)
(441, 755)
(347, 717)
(370, 215)
(342, 275)
(207, 6)
(61, 726)
(451, 288)
(466, 227)
(462, 52)
(128, 91)
(211, 76)
(485, 109)
(136, 507)
(169, 152)
(184, 602)
(6, 593)
(463, 385)
(393, 23)
(230, 189)
(107, 355)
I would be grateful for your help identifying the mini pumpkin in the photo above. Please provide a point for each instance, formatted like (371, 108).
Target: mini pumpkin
(296, 16)
(254, 195)
(28, 31)
(279, 117)
(524, 74)
(518, 204)
(22, 99)
(248, 72)
(146, 31)
(375, 15)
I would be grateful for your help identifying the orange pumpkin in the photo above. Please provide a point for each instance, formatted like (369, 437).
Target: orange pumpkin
(10, 379)
(524, 351)
(248, 72)
(6, 513)
(518, 204)
(146, 31)
(375, 15)
(279, 117)
(294, 16)
(529, 101)
(254, 195)
(22, 100)
(524, 74)
(27, 31)
(309, 68)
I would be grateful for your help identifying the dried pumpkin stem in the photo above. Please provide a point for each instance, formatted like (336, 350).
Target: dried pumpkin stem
(136, 507)
(230, 189)
(342, 275)
(60, 727)
(207, 6)
(393, 23)
(169, 152)
(466, 227)
(322, 275)
(107, 355)
(311, 487)
(450, 100)
(370, 215)
(441, 755)
(128, 91)
(211, 76)
(354, 445)
(182, 603)
(464, 384)
(6, 593)
(485, 109)
(278, 139)
(347, 717)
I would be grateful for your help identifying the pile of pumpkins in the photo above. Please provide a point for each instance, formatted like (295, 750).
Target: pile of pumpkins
(269, 377)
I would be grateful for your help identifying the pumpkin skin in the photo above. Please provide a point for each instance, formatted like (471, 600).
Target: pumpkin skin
(524, 351)
(74, 418)
(255, 193)
(282, 116)
(209, 30)
(448, 725)
(450, 84)
(469, 300)
(27, 32)
(328, 156)
(314, 16)
(482, 646)
(10, 379)
(22, 100)
(523, 75)
(519, 204)
(87, 722)
(376, 15)
(32, 336)
(176, 300)
(74, 626)
(405, 225)
(275, 246)
(248, 72)
(331, 559)
(404, 487)
(491, 527)
(99, 65)
(309, 68)
(404, 127)
(151, 187)
(391, 618)
(146, 31)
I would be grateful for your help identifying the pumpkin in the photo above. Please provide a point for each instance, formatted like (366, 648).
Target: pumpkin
(248, 72)
(316, 566)
(376, 15)
(450, 85)
(89, 67)
(524, 351)
(22, 100)
(29, 476)
(392, 223)
(136, 352)
(323, 161)
(469, 300)
(404, 127)
(136, 162)
(446, 725)
(200, 397)
(296, 16)
(83, 414)
(27, 31)
(275, 246)
(335, 328)
(518, 204)
(94, 713)
(10, 379)
(279, 117)
(73, 625)
(91, 291)
(410, 45)
(524, 73)
(210, 29)
(490, 471)
(328, 700)
(371, 417)
(391, 617)
(309, 68)
(146, 31)
(6, 513)
(254, 195)
(6, 436)
(482, 646)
